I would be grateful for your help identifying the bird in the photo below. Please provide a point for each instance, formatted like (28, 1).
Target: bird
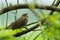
(20, 22)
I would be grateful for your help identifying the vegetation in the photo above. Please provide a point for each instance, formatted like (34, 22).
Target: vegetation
(47, 26)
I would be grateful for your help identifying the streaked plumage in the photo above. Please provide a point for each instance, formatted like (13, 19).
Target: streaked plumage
(21, 22)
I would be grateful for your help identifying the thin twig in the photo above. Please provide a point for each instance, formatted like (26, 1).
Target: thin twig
(53, 2)
(7, 14)
(3, 15)
(16, 11)
(56, 4)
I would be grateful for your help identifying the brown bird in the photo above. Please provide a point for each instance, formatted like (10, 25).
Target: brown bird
(19, 23)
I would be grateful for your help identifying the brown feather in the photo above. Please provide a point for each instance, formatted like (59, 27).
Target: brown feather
(21, 22)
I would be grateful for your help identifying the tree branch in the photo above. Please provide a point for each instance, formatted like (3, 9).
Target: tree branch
(43, 20)
(30, 29)
(7, 14)
(53, 2)
(56, 4)
(26, 31)
(21, 6)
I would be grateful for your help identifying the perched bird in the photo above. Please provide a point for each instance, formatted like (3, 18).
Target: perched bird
(19, 23)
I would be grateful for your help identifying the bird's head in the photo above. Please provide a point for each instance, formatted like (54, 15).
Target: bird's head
(25, 15)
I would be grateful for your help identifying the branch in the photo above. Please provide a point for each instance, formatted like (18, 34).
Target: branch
(30, 29)
(56, 4)
(53, 2)
(43, 20)
(26, 31)
(7, 14)
(21, 6)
